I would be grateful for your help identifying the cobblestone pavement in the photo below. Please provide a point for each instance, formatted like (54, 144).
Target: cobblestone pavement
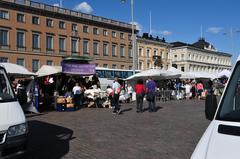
(95, 133)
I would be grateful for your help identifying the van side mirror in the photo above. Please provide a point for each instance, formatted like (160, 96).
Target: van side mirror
(210, 106)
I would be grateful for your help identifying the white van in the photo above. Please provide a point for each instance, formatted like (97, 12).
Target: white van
(221, 140)
(13, 125)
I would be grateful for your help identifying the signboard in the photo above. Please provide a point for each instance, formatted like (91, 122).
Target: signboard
(79, 69)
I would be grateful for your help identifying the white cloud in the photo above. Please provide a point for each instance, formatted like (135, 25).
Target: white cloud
(83, 7)
(214, 30)
(166, 32)
(138, 26)
(161, 32)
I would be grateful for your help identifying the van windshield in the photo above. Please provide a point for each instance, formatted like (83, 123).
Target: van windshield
(229, 109)
(6, 92)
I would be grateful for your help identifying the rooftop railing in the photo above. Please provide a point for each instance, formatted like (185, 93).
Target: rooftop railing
(57, 9)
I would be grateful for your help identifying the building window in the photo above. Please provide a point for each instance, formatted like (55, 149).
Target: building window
(95, 48)
(114, 34)
(182, 69)
(20, 62)
(49, 22)
(105, 49)
(35, 65)
(95, 31)
(105, 65)
(155, 52)
(175, 57)
(130, 67)
(20, 17)
(35, 20)
(85, 47)
(122, 35)
(122, 51)
(148, 53)
(35, 41)
(122, 67)
(62, 25)
(4, 14)
(85, 29)
(140, 65)
(140, 52)
(182, 56)
(130, 55)
(74, 46)
(130, 37)
(148, 65)
(3, 59)
(114, 66)
(96, 64)
(20, 39)
(114, 48)
(4, 38)
(49, 44)
(62, 44)
(49, 62)
(74, 27)
(105, 33)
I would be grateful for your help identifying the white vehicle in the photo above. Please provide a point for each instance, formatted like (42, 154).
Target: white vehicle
(221, 140)
(13, 125)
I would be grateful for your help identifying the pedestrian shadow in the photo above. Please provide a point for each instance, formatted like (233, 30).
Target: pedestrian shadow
(157, 108)
(47, 140)
(126, 110)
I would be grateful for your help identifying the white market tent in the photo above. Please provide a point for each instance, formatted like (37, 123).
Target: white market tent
(198, 75)
(16, 70)
(224, 74)
(155, 74)
(46, 70)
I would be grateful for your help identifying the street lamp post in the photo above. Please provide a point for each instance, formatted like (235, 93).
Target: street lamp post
(133, 39)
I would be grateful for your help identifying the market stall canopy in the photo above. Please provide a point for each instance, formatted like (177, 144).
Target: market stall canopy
(174, 73)
(224, 74)
(198, 75)
(46, 70)
(153, 73)
(16, 70)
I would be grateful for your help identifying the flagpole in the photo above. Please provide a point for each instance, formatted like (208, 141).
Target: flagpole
(133, 39)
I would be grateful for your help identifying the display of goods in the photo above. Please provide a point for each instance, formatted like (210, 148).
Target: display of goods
(70, 105)
(61, 100)
(69, 100)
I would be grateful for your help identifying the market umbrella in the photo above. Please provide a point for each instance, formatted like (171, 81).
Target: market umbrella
(16, 70)
(46, 70)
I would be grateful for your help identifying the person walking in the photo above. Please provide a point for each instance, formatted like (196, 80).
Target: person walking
(200, 89)
(150, 89)
(129, 92)
(76, 95)
(116, 92)
(140, 93)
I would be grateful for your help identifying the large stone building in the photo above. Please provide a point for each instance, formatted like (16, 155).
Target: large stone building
(152, 52)
(34, 34)
(200, 56)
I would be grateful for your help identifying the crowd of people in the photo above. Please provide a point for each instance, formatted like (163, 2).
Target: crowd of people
(120, 91)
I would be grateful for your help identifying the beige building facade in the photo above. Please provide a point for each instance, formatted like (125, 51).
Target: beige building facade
(33, 34)
(153, 53)
(199, 57)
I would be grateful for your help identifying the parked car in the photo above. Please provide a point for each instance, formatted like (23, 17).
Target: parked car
(221, 140)
(13, 124)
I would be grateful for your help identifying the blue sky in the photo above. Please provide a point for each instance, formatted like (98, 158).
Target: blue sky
(176, 20)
